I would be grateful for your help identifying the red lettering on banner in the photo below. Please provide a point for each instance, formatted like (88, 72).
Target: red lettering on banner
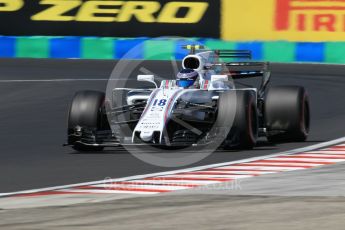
(302, 14)
(326, 21)
(301, 22)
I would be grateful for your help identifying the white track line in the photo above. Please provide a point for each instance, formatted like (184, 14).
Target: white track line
(342, 145)
(294, 151)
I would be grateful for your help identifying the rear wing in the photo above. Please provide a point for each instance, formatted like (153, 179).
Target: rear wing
(241, 54)
(239, 70)
(243, 70)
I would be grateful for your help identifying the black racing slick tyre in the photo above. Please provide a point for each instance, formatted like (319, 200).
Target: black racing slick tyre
(86, 111)
(243, 121)
(287, 114)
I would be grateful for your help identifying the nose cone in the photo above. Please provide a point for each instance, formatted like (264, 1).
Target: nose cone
(146, 136)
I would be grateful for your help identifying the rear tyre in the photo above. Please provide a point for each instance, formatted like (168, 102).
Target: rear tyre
(86, 112)
(244, 128)
(287, 114)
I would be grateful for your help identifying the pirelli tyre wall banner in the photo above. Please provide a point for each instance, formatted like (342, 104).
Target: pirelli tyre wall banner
(287, 20)
(112, 18)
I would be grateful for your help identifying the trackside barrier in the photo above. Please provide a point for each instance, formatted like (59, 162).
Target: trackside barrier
(163, 49)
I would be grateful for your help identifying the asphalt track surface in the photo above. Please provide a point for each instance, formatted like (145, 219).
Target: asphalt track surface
(35, 96)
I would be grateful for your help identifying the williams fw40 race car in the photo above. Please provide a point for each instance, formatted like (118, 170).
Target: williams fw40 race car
(201, 106)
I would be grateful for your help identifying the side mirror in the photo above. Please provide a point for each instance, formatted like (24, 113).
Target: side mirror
(219, 78)
(147, 78)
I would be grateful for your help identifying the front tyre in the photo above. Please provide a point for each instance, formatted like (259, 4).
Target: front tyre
(86, 113)
(244, 128)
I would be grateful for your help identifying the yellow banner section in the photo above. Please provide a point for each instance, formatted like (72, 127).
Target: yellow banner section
(291, 20)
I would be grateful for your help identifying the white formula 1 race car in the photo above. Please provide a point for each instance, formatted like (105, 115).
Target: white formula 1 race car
(211, 110)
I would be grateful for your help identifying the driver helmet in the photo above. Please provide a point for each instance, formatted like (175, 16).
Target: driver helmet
(186, 78)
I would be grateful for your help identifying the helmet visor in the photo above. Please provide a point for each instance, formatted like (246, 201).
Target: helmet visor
(185, 83)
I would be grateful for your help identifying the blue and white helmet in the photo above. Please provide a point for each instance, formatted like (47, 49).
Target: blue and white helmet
(186, 78)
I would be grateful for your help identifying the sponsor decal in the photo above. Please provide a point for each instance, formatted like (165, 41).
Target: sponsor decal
(291, 20)
(312, 15)
(110, 17)
(121, 11)
(10, 5)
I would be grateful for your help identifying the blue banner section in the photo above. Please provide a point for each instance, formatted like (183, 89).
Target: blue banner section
(7, 47)
(68, 47)
(129, 48)
(312, 52)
